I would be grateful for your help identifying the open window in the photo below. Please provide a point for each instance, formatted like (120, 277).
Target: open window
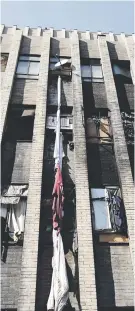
(13, 212)
(91, 70)
(4, 60)
(98, 128)
(16, 146)
(121, 71)
(108, 211)
(28, 66)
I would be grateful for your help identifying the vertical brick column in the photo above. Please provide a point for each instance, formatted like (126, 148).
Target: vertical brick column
(30, 247)
(8, 79)
(130, 47)
(87, 284)
(120, 147)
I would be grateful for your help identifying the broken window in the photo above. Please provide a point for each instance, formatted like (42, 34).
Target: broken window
(60, 66)
(91, 70)
(16, 146)
(4, 60)
(121, 71)
(28, 66)
(128, 124)
(108, 210)
(98, 129)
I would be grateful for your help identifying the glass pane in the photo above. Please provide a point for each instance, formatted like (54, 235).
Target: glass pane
(22, 67)
(101, 210)
(86, 71)
(97, 72)
(32, 58)
(34, 68)
(23, 58)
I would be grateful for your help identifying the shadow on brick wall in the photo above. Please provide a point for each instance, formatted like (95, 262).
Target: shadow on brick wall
(104, 276)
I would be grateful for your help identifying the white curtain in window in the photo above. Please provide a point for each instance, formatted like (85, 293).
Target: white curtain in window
(121, 71)
(22, 67)
(86, 71)
(101, 210)
(16, 219)
(34, 68)
(97, 72)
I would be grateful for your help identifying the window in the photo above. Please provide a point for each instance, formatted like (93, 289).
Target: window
(65, 70)
(91, 70)
(13, 211)
(98, 129)
(4, 60)
(128, 124)
(121, 70)
(108, 210)
(28, 66)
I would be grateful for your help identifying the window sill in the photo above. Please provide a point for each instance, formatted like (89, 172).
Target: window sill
(113, 238)
(30, 77)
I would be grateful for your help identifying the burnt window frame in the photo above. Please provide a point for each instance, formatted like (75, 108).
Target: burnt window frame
(97, 116)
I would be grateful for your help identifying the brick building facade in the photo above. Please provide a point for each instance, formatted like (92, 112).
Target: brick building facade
(97, 113)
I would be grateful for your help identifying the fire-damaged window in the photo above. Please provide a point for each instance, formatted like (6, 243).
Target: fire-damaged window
(60, 65)
(28, 66)
(98, 129)
(4, 60)
(91, 70)
(16, 146)
(121, 71)
(128, 124)
(108, 210)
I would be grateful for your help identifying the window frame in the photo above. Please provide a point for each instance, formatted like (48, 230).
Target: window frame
(98, 138)
(92, 62)
(29, 59)
(109, 230)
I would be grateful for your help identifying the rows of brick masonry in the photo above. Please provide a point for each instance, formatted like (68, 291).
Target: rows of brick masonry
(88, 299)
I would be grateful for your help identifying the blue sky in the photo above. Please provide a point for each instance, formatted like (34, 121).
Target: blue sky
(116, 16)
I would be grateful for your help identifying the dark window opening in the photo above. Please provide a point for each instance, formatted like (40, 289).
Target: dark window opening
(131, 158)
(102, 167)
(20, 124)
(4, 60)
(28, 66)
(91, 70)
(16, 147)
(121, 71)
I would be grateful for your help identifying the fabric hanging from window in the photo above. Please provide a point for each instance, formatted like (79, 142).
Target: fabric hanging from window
(11, 194)
(16, 220)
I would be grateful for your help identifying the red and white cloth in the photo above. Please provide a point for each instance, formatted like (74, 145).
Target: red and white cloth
(59, 287)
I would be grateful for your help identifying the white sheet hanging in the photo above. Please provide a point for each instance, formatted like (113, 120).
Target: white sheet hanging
(16, 219)
(59, 287)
